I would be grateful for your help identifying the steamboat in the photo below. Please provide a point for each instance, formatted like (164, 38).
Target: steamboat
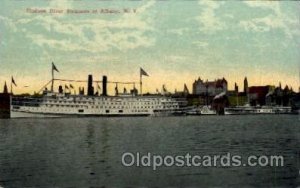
(247, 109)
(62, 103)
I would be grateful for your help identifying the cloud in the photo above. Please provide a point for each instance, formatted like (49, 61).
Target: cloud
(176, 59)
(200, 44)
(276, 20)
(125, 33)
(8, 23)
(209, 22)
(264, 24)
(60, 4)
(273, 5)
(180, 31)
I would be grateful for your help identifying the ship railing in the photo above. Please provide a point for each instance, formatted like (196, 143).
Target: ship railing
(20, 101)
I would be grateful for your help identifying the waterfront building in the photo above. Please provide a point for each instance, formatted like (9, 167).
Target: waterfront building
(209, 88)
(5, 90)
(257, 94)
(246, 85)
(236, 98)
(280, 97)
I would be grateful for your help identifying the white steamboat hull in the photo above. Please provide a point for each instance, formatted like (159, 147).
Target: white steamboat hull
(22, 114)
(19, 114)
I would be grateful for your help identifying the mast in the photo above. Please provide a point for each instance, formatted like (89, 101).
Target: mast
(11, 90)
(141, 84)
(142, 72)
(52, 80)
(237, 98)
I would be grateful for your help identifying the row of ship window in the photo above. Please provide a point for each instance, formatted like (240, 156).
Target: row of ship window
(121, 111)
(139, 110)
(116, 103)
(113, 107)
(114, 99)
(82, 106)
(81, 110)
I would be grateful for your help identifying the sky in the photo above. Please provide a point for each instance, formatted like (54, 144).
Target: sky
(175, 42)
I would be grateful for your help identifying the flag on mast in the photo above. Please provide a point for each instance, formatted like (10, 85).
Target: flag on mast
(52, 81)
(13, 81)
(143, 72)
(54, 67)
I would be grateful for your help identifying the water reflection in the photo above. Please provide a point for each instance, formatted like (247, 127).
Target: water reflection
(86, 152)
(97, 140)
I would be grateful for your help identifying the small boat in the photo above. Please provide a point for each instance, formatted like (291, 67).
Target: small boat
(247, 109)
(192, 111)
(203, 110)
(207, 110)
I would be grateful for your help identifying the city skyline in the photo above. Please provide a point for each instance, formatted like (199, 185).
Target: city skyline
(174, 42)
(76, 84)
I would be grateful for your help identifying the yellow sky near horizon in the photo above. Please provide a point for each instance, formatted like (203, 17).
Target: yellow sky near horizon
(150, 84)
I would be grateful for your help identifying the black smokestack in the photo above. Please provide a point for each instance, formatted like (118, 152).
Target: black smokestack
(60, 89)
(90, 86)
(104, 86)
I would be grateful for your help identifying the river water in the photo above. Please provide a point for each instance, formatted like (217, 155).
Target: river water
(87, 152)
